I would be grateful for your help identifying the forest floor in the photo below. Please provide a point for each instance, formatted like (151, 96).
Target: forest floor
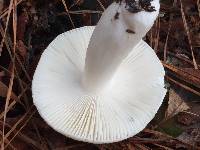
(28, 26)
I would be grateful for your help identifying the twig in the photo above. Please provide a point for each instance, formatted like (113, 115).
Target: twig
(9, 73)
(184, 75)
(183, 86)
(13, 66)
(181, 58)
(7, 20)
(78, 12)
(16, 57)
(188, 35)
(160, 134)
(9, 44)
(75, 3)
(101, 4)
(66, 9)
(25, 123)
(157, 34)
(6, 11)
(7, 141)
(169, 29)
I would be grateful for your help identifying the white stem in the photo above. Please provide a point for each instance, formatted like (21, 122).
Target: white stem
(112, 41)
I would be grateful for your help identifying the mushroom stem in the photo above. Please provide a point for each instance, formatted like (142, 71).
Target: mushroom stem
(115, 35)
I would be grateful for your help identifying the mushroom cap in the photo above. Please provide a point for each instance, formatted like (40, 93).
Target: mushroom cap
(118, 112)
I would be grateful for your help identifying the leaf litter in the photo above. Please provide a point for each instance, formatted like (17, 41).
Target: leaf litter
(28, 26)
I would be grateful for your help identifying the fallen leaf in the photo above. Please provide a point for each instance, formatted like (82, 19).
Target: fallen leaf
(175, 104)
(22, 23)
(186, 119)
(190, 136)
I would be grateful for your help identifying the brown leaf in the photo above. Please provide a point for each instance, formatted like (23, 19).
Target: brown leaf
(190, 136)
(22, 22)
(186, 119)
(22, 49)
(175, 104)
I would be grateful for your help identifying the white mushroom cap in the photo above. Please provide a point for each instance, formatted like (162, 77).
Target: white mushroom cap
(117, 112)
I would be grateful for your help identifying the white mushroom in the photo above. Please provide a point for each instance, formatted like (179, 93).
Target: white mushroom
(102, 84)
